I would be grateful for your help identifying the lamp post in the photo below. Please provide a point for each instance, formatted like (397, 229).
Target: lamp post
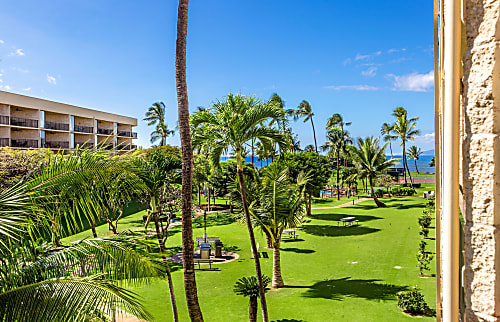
(205, 220)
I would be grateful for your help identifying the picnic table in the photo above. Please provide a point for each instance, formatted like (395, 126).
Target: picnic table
(290, 233)
(347, 221)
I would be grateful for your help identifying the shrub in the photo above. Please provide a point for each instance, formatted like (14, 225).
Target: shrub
(425, 221)
(415, 185)
(413, 302)
(379, 193)
(424, 232)
(424, 258)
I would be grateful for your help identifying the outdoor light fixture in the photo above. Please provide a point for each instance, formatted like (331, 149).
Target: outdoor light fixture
(205, 220)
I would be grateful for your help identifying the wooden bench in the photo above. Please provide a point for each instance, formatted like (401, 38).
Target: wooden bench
(209, 239)
(294, 236)
(199, 261)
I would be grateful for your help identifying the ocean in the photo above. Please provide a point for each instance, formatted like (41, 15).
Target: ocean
(422, 163)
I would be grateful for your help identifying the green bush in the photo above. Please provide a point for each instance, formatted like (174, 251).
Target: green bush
(413, 302)
(424, 232)
(425, 221)
(397, 191)
(424, 258)
(379, 193)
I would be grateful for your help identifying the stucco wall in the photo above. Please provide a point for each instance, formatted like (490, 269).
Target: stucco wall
(481, 160)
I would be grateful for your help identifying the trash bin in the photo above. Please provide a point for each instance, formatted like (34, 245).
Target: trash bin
(205, 251)
(218, 248)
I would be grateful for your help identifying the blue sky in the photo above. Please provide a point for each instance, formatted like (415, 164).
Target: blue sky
(359, 58)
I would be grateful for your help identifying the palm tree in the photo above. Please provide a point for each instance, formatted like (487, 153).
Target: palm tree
(386, 131)
(370, 158)
(248, 286)
(336, 120)
(161, 132)
(231, 124)
(404, 128)
(45, 282)
(305, 110)
(187, 164)
(280, 206)
(337, 140)
(156, 116)
(309, 148)
(414, 153)
(156, 174)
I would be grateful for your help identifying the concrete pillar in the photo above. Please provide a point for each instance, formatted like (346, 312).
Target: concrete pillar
(481, 160)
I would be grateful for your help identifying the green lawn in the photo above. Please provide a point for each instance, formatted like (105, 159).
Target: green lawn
(332, 273)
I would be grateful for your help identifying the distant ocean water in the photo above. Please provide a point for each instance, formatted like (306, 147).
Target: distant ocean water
(422, 163)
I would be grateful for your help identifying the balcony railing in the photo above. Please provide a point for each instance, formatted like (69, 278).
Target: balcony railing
(84, 145)
(24, 143)
(19, 121)
(105, 131)
(56, 126)
(124, 133)
(4, 119)
(126, 147)
(4, 142)
(84, 129)
(57, 144)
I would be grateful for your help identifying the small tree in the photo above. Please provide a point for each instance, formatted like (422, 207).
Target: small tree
(385, 181)
(247, 286)
(424, 258)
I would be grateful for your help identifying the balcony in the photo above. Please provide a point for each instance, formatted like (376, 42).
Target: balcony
(125, 133)
(4, 119)
(4, 142)
(84, 145)
(56, 144)
(19, 121)
(105, 131)
(134, 135)
(126, 147)
(24, 143)
(56, 126)
(84, 129)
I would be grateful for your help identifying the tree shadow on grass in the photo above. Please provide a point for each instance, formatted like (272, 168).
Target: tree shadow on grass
(336, 216)
(288, 320)
(337, 231)
(220, 219)
(298, 250)
(338, 289)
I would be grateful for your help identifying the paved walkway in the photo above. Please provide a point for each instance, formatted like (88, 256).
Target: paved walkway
(347, 204)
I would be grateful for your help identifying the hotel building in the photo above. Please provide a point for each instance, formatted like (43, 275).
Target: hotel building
(31, 123)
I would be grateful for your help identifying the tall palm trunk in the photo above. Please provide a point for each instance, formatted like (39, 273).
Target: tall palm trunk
(187, 164)
(390, 147)
(269, 239)
(416, 166)
(277, 278)
(161, 242)
(314, 134)
(252, 309)
(253, 245)
(404, 159)
(377, 202)
(338, 190)
(92, 225)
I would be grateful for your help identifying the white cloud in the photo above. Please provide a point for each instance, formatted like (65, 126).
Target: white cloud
(353, 87)
(51, 79)
(413, 82)
(2, 42)
(27, 89)
(370, 72)
(20, 52)
(426, 138)
(368, 56)
(1, 80)
(396, 50)
(8, 87)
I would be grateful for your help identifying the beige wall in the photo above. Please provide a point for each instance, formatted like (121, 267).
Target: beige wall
(4, 132)
(105, 125)
(56, 117)
(84, 121)
(4, 109)
(24, 134)
(481, 160)
(56, 136)
(16, 111)
(83, 138)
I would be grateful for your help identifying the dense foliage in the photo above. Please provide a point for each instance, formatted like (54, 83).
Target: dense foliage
(413, 302)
